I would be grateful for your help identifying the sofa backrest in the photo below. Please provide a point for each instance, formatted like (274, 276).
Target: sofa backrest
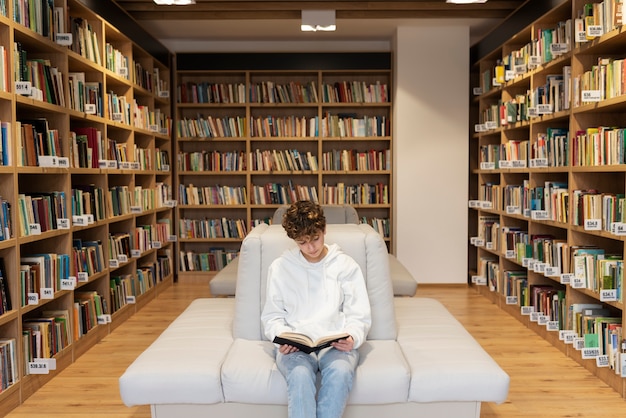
(265, 243)
(335, 214)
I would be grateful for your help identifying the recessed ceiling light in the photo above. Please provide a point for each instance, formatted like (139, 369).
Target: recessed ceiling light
(318, 20)
(174, 2)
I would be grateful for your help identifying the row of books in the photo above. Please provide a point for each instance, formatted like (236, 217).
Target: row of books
(603, 81)
(596, 146)
(591, 209)
(218, 127)
(6, 303)
(212, 195)
(116, 61)
(40, 212)
(214, 259)
(41, 275)
(596, 19)
(282, 160)
(147, 237)
(38, 16)
(207, 92)
(350, 125)
(84, 96)
(89, 200)
(291, 92)
(87, 258)
(339, 125)
(6, 223)
(278, 193)
(9, 369)
(119, 109)
(85, 40)
(38, 78)
(546, 44)
(380, 225)
(151, 120)
(37, 140)
(587, 267)
(354, 160)
(150, 80)
(356, 194)
(212, 161)
(212, 228)
(89, 308)
(121, 200)
(355, 92)
(121, 291)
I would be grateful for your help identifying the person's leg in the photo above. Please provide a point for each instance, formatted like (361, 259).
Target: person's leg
(300, 372)
(337, 369)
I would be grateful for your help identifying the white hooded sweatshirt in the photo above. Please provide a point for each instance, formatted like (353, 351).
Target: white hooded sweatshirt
(316, 299)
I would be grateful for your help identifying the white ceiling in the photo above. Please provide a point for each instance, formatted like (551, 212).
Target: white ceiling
(285, 35)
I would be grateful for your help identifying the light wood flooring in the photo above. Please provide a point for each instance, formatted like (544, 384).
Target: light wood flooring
(544, 382)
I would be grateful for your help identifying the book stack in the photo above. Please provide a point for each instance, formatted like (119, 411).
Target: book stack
(39, 212)
(89, 305)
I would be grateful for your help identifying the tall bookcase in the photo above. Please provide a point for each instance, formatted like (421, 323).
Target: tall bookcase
(85, 186)
(249, 140)
(548, 184)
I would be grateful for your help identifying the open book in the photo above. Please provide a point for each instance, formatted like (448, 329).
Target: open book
(305, 343)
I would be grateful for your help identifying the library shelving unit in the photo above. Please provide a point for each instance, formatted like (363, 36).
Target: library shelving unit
(249, 140)
(548, 170)
(85, 188)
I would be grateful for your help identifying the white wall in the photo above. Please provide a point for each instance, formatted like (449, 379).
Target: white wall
(431, 118)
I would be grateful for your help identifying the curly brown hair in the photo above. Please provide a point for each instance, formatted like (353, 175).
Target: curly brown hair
(304, 218)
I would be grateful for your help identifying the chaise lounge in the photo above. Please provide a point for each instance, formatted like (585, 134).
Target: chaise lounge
(213, 360)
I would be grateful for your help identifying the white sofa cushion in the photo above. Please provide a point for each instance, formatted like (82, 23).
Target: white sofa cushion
(198, 341)
(458, 369)
(250, 375)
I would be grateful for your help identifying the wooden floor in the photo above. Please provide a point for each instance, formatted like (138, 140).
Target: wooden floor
(544, 383)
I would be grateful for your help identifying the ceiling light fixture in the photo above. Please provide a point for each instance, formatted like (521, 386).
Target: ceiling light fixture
(174, 2)
(318, 20)
(466, 1)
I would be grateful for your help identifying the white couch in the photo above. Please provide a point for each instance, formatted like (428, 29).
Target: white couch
(214, 361)
(403, 283)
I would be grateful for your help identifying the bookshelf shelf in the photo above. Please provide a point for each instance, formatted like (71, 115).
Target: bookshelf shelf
(289, 114)
(553, 255)
(54, 253)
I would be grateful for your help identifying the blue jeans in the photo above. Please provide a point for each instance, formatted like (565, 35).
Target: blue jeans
(300, 371)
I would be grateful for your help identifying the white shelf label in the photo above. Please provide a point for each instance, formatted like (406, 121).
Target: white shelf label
(534, 60)
(544, 109)
(538, 163)
(117, 117)
(566, 278)
(122, 258)
(38, 367)
(90, 108)
(520, 69)
(590, 352)
(511, 300)
(48, 161)
(124, 165)
(135, 253)
(559, 48)
(23, 87)
(577, 283)
(602, 361)
(104, 319)
(608, 295)
(539, 215)
(591, 96)
(487, 165)
(63, 223)
(509, 254)
(114, 263)
(164, 94)
(595, 30)
(136, 209)
(131, 300)
(172, 238)
(480, 127)
(477, 91)
(527, 310)
(32, 298)
(63, 39)
(135, 165)
(122, 72)
(79, 220)
(618, 228)
(593, 224)
(47, 293)
(64, 162)
(156, 244)
(552, 326)
(552, 271)
(69, 283)
(83, 276)
(491, 125)
(35, 229)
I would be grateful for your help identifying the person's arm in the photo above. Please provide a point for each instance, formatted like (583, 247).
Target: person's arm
(273, 315)
(356, 305)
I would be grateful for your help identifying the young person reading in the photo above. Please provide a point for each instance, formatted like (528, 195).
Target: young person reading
(319, 291)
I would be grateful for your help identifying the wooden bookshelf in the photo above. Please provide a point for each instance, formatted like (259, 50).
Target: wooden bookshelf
(284, 136)
(76, 185)
(532, 175)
